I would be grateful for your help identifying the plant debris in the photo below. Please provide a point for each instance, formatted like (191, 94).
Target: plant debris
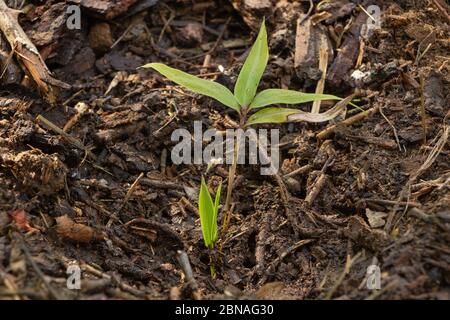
(87, 177)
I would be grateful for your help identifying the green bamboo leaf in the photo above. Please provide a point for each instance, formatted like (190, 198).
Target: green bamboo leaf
(208, 88)
(214, 232)
(270, 115)
(279, 115)
(278, 96)
(253, 69)
(206, 210)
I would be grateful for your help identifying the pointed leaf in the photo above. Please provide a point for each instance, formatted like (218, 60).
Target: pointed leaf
(206, 210)
(216, 211)
(282, 96)
(208, 88)
(279, 115)
(253, 69)
(270, 115)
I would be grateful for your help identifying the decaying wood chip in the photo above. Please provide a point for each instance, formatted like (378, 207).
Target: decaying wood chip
(76, 232)
(361, 233)
(376, 218)
(100, 37)
(27, 54)
(252, 11)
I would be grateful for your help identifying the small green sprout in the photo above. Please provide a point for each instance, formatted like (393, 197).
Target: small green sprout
(208, 214)
(208, 218)
(245, 100)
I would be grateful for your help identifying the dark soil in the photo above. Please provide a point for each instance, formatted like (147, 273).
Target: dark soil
(385, 179)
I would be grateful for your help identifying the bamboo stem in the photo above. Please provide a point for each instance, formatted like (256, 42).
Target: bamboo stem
(227, 207)
(212, 267)
(231, 176)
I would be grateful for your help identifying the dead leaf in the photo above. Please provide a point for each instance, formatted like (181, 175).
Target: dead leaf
(76, 232)
(376, 219)
(20, 218)
(269, 290)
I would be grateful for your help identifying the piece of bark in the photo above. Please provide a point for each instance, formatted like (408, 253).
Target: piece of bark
(49, 32)
(308, 40)
(106, 9)
(51, 26)
(345, 60)
(434, 94)
(27, 54)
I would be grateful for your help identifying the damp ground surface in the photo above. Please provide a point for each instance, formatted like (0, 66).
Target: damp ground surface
(89, 180)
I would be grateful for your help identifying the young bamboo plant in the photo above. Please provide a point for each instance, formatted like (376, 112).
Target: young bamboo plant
(245, 100)
(208, 218)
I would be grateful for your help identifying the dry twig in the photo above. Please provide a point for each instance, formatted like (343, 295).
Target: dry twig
(183, 259)
(347, 122)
